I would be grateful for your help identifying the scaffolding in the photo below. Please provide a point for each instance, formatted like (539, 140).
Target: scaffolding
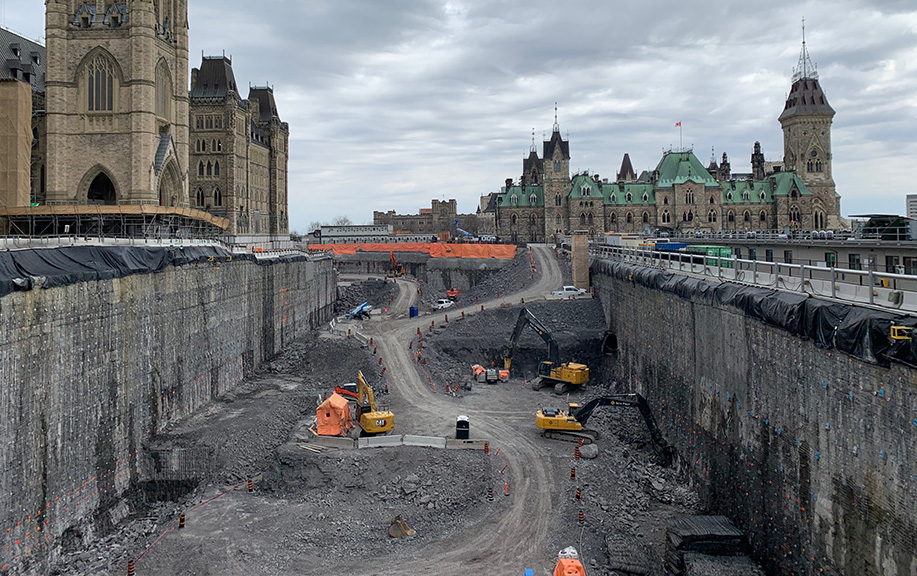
(98, 221)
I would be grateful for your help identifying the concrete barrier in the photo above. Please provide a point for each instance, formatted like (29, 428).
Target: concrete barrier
(380, 441)
(426, 441)
(452, 444)
(334, 442)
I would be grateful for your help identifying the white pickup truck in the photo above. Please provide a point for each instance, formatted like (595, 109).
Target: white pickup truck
(569, 291)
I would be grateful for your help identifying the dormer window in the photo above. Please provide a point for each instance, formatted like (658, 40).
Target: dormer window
(514, 200)
(745, 195)
(587, 191)
(646, 197)
(761, 195)
(84, 21)
(114, 21)
(729, 196)
(628, 197)
(533, 199)
(614, 197)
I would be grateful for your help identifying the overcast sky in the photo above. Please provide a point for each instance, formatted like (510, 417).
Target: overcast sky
(392, 103)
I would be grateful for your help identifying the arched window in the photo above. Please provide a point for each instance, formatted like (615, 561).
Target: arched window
(762, 195)
(646, 197)
(809, 166)
(512, 220)
(629, 218)
(666, 217)
(711, 216)
(557, 221)
(762, 216)
(586, 191)
(199, 197)
(614, 197)
(101, 85)
(689, 197)
(533, 220)
(213, 145)
(200, 168)
(514, 200)
(712, 201)
(646, 217)
(217, 197)
(690, 216)
(628, 197)
(729, 196)
(533, 199)
(793, 194)
(216, 168)
(746, 216)
(590, 219)
(665, 201)
(558, 200)
(818, 165)
(794, 214)
(582, 218)
(163, 92)
(745, 196)
(219, 145)
(209, 169)
(614, 218)
(730, 216)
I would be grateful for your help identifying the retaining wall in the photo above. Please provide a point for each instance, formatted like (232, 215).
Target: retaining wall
(440, 274)
(812, 452)
(91, 371)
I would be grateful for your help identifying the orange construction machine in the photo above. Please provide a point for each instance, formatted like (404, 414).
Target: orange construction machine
(568, 563)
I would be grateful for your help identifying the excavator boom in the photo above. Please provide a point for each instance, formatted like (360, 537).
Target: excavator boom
(372, 421)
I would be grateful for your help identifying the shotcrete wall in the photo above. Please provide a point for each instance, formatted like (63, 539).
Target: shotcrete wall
(91, 371)
(440, 274)
(810, 451)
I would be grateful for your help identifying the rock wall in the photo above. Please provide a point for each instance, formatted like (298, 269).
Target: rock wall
(90, 372)
(440, 274)
(812, 452)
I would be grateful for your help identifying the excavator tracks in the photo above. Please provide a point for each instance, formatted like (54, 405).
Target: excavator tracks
(587, 436)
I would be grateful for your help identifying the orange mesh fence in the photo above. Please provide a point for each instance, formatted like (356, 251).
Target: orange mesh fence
(434, 250)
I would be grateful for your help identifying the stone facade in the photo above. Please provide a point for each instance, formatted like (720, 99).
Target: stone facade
(681, 194)
(114, 124)
(239, 152)
(117, 103)
(438, 219)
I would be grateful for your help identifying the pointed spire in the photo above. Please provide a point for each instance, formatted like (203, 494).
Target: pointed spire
(804, 69)
(533, 149)
(556, 125)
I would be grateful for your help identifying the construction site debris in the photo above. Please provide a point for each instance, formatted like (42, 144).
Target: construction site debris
(400, 529)
(708, 535)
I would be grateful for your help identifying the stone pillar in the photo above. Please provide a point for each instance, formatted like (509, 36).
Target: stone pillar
(15, 143)
(579, 247)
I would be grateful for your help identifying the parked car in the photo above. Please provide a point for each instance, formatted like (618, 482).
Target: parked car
(443, 304)
(569, 291)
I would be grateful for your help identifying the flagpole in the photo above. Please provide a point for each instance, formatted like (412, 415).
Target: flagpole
(681, 144)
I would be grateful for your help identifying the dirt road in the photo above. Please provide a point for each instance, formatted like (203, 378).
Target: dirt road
(517, 539)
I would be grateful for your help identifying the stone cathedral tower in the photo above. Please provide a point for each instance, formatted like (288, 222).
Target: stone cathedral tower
(806, 120)
(117, 102)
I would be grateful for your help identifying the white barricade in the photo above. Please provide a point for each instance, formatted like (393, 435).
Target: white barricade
(379, 441)
(427, 441)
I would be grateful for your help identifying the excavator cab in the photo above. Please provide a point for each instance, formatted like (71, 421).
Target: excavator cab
(371, 420)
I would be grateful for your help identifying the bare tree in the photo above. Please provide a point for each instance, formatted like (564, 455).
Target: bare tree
(341, 221)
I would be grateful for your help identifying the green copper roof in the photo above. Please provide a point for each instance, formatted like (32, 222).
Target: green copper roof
(629, 194)
(522, 198)
(681, 167)
(582, 186)
(786, 181)
(746, 192)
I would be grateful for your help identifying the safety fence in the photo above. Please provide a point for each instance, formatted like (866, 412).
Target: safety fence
(896, 292)
(389, 441)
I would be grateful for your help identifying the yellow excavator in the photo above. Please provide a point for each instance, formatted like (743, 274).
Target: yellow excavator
(371, 420)
(550, 372)
(570, 424)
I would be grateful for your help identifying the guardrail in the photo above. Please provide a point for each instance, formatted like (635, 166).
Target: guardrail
(896, 292)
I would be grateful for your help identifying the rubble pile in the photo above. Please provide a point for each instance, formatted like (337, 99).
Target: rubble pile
(376, 291)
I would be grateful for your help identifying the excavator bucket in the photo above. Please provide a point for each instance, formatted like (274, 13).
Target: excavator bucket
(399, 528)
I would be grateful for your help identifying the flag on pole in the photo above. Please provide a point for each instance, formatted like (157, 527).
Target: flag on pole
(678, 123)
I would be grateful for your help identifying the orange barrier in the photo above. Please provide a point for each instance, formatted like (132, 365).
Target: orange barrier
(437, 250)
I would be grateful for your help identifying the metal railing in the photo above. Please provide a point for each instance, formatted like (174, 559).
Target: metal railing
(896, 292)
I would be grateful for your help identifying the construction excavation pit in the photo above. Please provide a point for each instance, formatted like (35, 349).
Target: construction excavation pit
(464, 477)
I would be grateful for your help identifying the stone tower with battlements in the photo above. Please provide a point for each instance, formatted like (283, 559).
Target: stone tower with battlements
(806, 120)
(117, 102)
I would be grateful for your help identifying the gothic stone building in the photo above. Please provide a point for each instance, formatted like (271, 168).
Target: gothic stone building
(680, 193)
(114, 124)
(239, 152)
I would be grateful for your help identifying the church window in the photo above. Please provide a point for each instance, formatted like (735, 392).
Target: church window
(646, 217)
(163, 92)
(747, 216)
(730, 216)
(533, 199)
(200, 168)
(809, 166)
(818, 166)
(216, 169)
(209, 169)
(217, 197)
(101, 80)
(762, 216)
(558, 200)
(629, 217)
(199, 197)
(666, 217)
(628, 197)
(711, 216)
